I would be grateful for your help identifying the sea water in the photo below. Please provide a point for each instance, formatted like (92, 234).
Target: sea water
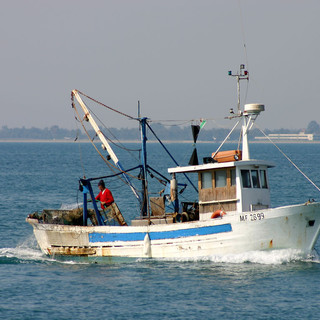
(255, 285)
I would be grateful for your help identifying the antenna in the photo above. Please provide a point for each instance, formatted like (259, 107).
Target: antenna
(241, 75)
(139, 114)
(249, 114)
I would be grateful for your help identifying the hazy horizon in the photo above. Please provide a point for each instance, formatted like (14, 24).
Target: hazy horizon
(130, 127)
(173, 56)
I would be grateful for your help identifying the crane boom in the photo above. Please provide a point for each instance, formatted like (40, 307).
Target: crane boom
(88, 116)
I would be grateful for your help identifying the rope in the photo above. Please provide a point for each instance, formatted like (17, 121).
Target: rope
(289, 159)
(118, 144)
(102, 104)
(240, 138)
(110, 165)
(226, 138)
(80, 151)
(164, 147)
(183, 122)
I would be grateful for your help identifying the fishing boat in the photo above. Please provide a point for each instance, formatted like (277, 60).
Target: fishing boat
(232, 213)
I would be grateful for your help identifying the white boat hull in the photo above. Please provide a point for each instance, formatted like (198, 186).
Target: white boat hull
(291, 227)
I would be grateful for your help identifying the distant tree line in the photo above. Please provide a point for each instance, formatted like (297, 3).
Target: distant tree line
(163, 132)
(313, 127)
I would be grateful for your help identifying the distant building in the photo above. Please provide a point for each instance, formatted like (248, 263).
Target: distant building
(301, 136)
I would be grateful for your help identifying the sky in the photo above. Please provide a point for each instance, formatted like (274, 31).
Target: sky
(172, 55)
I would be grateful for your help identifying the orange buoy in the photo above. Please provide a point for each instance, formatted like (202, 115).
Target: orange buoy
(217, 214)
(227, 156)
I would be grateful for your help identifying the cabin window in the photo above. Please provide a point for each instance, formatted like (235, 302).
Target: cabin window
(233, 177)
(245, 176)
(263, 175)
(206, 180)
(221, 178)
(255, 178)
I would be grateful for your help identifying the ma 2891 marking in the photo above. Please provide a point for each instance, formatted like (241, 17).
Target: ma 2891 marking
(252, 217)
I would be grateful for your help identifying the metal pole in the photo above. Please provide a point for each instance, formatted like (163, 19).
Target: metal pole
(87, 184)
(85, 206)
(238, 89)
(145, 199)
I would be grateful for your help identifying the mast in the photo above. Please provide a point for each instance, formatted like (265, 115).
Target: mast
(249, 114)
(245, 141)
(145, 211)
(241, 75)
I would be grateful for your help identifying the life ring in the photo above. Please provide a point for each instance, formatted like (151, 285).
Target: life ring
(217, 214)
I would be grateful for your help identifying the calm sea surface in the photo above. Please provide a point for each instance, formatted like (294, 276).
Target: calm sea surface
(255, 285)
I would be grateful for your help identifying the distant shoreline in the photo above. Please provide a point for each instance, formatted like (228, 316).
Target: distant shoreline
(149, 141)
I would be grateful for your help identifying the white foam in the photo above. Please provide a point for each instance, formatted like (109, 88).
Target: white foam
(21, 253)
(25, 251)
(272, 257)
(313, 257)
(29, 251)
(70, 206)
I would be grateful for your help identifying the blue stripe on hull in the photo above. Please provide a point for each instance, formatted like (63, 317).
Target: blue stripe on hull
(139, 236)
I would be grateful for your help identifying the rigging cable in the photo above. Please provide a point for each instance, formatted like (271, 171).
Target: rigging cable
(79, 145)
(184, 121)
(119, 144)
(226, 138)
(240, 139)
(171, 157)
(110, 165)
(102, 104)
(288, 159)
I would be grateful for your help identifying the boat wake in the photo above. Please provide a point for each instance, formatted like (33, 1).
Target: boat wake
(274, 257)
(28, 252)
(20, 255)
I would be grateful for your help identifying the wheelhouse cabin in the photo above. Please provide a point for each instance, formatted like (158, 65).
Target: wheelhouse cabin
(231, 186)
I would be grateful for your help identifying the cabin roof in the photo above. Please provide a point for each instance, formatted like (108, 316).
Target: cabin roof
(216, 165)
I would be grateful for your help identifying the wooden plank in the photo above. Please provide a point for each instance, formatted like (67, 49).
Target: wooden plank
(227, 193)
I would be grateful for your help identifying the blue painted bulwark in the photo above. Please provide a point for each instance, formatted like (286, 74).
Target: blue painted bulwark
(139, 236)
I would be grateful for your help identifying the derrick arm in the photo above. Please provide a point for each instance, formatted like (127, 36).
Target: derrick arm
(88, 117)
